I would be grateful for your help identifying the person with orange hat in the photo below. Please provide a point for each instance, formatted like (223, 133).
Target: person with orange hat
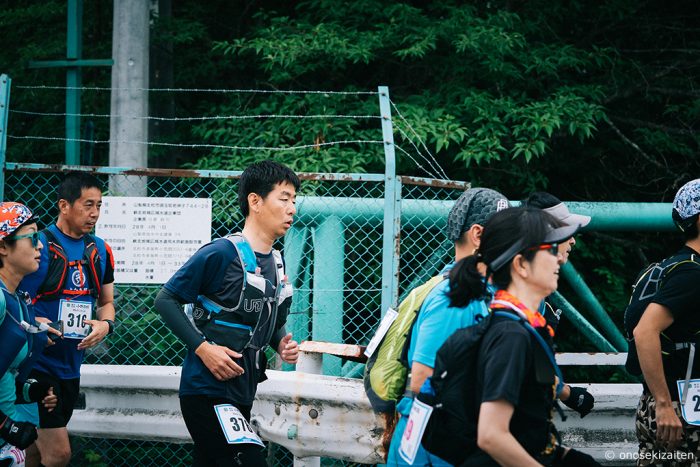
(21, 336)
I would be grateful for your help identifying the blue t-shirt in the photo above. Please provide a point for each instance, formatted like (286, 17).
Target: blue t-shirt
(436, 321)
(63, 359)
(215, 270)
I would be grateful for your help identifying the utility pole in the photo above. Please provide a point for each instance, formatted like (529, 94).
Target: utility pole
(129, 106)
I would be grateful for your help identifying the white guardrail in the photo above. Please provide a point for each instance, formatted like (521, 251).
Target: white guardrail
(317, 416)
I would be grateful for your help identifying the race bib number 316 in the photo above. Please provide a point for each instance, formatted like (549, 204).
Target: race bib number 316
(73, 314)
(236, 428)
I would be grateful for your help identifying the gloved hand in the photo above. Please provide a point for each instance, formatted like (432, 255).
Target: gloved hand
(19, 434)
(580, 400)
(31, 391)
(37, 390)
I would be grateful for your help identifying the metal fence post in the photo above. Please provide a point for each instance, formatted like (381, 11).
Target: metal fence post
(392, 209)
(5, 82)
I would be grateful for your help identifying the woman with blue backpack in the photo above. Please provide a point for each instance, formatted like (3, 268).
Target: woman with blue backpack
(508, 377)
(21, 338)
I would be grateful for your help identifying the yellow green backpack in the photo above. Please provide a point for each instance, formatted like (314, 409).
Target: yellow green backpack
(387, 369)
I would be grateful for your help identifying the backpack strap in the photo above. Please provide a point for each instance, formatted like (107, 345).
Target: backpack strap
(245, 252)
(3, 306)
(543, 344)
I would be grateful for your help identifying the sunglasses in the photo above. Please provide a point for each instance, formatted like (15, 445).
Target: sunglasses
(552, 248)
(34, 236)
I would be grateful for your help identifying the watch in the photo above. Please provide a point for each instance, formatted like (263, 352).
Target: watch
(110, 323)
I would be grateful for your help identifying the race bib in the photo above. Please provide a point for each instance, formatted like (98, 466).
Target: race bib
(236, 428)
(413, 434)
(691, 409)
(73, 314)
(389, 318)
(12, 454)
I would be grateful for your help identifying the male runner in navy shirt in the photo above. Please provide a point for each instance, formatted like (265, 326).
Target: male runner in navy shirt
(240, 299)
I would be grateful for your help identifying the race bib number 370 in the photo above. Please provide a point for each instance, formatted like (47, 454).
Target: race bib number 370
(236, 428)
(73, 314)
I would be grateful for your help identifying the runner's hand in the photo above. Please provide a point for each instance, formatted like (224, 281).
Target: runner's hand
(669, 428)
(219, 360)
(580, 400)
(99, 330)
(40, 319)
(288, 349)
(50, 401)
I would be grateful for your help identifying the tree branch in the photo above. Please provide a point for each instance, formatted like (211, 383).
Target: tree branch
(655, 126)
(634, 145)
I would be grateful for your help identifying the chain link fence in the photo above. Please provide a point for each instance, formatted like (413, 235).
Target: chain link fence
(334, 259)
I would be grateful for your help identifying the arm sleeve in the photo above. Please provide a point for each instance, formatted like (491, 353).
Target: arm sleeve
(277, 336)
(505, 360)
(171, 311)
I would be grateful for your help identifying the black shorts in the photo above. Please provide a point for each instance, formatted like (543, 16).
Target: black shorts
(210, 446)
(67, 391)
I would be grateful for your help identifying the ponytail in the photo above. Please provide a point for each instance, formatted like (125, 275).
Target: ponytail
(466, 284)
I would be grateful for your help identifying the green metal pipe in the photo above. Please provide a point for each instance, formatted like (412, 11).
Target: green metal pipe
(625, 216)
(328, 286)
(353, 370)
(593, 305)
(581, 323)
(294, 255)
(5, 83)
(416, 212)
(74, 50)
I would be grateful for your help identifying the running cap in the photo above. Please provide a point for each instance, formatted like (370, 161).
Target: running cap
(561, 213)
(12, 217)
(474, 206)
(556, 235)
(686, 205)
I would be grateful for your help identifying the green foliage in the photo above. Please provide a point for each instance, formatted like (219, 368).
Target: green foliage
(594, 102)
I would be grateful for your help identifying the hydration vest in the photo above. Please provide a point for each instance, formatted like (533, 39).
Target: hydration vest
(14, 334)
(90, 267)
(260, 302)
(644, 290)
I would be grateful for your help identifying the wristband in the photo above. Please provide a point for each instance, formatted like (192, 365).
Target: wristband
(110, 323)
(25, 389)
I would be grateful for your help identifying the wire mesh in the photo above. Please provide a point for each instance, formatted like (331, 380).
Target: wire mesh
(351, 315)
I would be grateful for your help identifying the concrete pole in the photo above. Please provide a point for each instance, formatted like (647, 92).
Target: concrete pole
(130, 45)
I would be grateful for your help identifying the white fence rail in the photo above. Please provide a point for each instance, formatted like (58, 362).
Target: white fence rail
(314, 415)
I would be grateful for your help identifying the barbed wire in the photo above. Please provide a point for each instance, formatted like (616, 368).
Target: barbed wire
(208, 146)
(418, 151)
(398, 112)
(418, 164)
(214, 117)
(436, 171)
(225, 91)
